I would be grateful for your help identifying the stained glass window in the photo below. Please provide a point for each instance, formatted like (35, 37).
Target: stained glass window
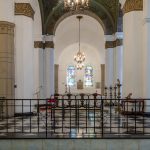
(70, 76)
(88, 78)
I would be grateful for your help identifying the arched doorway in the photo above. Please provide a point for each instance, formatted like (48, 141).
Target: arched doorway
(66, 46)
(106, 17)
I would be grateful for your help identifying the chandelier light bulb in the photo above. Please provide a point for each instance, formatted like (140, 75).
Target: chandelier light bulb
(79, 66)
(79, 57)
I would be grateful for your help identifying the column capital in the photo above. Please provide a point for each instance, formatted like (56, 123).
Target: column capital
(6, 27)
(24, 9)
(109, 44)
(113, 44)
(109, 37)
(41, 44)
(119, 35)
(132, 5)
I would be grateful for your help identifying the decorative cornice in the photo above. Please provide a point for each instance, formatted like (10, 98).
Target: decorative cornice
(49, 44)
(132, 5)
(109, 44)
(6, 27)
(119, 42)
(40, 44)
(113, 44)
(24, 9)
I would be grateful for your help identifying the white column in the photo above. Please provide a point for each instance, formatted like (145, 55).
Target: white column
(132, 54)
(24, 57)
(118, 51)
(24, 60)
(38, 72)
(146, 52)
(48, 67)
(109, 59)
(52, 91)
(41, 74)
(49, 72)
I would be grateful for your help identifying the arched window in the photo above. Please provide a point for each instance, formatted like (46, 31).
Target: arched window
(71, 76)
(88, 78)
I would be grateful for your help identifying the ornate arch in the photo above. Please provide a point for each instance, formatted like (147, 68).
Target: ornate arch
(102, 10)
(88, 13)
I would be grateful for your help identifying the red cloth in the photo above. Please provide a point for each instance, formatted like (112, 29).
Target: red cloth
(51, 101)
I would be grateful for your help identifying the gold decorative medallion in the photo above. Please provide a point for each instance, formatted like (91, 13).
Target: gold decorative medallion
(24, 9)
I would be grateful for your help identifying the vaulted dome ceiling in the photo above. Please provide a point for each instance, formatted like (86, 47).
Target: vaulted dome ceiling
(105, 11)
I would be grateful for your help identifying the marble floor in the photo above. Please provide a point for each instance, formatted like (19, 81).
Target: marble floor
(76, 124)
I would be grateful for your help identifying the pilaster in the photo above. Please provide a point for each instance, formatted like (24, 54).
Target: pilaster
(7, 59)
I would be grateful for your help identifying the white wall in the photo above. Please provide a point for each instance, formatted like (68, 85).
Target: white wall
(67, 34)
(7, 10)
(92, 58)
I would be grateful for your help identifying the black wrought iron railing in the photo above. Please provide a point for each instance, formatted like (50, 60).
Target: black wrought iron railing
(75, 116)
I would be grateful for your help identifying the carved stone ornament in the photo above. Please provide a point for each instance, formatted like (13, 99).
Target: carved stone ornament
(24, 9)
(133, 5)
(113, 44)
(40, 44)
(6, 27)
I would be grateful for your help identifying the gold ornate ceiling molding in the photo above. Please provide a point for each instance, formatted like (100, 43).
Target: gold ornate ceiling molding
(113, 44)
(40, 44)
(6, 27)
(133, 5)
(24, 9)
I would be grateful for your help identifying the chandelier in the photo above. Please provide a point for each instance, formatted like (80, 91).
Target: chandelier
(80, 56)
(76, 4)
(79, 66)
